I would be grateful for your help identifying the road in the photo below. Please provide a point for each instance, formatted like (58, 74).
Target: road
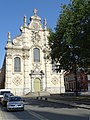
(45, 110)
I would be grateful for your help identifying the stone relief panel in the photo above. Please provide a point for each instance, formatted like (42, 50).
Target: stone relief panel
(17, 80)
(35, 26)
(36, 67)
(9, 55)
(55, 80)
(35, 37)
(17, 53)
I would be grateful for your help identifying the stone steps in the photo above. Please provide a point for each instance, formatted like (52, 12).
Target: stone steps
(37, 94)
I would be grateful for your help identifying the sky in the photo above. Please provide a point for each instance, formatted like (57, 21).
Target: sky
(12, 13)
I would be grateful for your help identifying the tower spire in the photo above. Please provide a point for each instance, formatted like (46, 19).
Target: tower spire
(45, 23)
(9, 40)
(35, 12)
(25, 19)
(9, 37)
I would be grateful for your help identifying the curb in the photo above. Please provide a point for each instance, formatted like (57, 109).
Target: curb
(72, 104)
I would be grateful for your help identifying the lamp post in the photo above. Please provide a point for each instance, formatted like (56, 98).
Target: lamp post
(57, 69)
(42, 74)
(75, 72)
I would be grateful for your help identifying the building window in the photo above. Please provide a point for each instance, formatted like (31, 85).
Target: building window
(17, 64)
(36, 55)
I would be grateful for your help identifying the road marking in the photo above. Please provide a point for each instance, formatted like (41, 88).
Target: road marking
(40, 117)
(89, 117)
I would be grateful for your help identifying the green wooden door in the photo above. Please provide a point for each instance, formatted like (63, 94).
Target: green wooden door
(37, 85)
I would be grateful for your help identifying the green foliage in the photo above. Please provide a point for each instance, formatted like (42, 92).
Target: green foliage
(70, 43)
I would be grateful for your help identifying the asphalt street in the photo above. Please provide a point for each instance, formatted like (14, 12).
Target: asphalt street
(45, 110)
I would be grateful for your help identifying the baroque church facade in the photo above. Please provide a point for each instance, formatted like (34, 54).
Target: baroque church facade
(27, 67)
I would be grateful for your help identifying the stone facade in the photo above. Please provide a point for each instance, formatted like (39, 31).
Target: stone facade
(27, 65)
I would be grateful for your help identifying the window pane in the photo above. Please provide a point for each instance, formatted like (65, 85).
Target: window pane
(17, 64)
(36, 55)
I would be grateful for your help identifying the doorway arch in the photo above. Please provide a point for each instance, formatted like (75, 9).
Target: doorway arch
(37, 85)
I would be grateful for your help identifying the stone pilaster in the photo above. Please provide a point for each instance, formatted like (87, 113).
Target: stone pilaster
(8, 70)
(26, 72)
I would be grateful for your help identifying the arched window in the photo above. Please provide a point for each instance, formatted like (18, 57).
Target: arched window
(36, 55)
(17, 64)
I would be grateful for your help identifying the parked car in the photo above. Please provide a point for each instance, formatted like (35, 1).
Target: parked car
(15, 103)
(6, 98)
(2, 91)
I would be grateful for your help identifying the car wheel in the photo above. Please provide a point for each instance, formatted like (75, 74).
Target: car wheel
(7, 110)
(22, 109)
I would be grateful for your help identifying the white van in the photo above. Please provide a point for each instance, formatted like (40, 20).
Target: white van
(2, 91)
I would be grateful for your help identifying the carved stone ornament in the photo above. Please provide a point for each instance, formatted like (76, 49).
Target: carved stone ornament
(9, 55)
(35, 37)
(55, 80)
(17, 51)
(26, 55)
(37, 67)
(35, 26)
(17, 41)
(17, 80)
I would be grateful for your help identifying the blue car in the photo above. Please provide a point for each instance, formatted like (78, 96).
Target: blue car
(6, 98)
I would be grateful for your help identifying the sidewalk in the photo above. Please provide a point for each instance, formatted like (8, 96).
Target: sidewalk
(70, 103)
(79, 103)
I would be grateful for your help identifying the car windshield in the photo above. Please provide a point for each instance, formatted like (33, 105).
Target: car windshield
(15, 99)
(8, 94)
(2, 92)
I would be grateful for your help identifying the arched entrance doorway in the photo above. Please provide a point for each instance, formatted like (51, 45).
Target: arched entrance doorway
(37, 85)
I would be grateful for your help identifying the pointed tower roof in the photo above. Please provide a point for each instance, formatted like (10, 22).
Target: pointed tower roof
(35, 21)
(9, 44)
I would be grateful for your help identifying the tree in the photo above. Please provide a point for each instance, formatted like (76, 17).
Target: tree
(70, 43)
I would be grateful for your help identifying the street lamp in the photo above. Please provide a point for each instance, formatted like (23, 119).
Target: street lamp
(42, 74)
(75, 73)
